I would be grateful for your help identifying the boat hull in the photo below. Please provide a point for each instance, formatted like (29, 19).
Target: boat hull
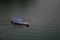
(20, 23)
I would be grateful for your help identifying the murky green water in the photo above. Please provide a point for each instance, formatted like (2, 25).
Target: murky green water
(43, 17)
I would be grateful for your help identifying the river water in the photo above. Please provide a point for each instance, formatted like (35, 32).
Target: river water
(43, 17)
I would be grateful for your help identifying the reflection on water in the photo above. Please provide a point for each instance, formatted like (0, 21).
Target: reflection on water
(43, 17)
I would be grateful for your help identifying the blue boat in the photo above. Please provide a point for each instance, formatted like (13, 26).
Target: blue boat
(19, 21)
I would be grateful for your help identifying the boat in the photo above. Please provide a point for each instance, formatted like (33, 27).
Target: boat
(18, 21)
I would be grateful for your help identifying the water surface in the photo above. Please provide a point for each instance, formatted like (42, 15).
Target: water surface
(43, 17)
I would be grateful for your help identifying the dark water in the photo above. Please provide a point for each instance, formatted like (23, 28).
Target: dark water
(43, 17)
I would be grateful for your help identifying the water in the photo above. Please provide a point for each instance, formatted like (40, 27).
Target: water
(43, 17)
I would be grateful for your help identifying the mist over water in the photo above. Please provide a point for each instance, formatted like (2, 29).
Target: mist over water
(43, 17)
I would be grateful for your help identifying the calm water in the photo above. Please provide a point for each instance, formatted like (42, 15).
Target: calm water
(43, 17)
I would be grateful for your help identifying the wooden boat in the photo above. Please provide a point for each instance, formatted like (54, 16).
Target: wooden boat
(21, 23)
